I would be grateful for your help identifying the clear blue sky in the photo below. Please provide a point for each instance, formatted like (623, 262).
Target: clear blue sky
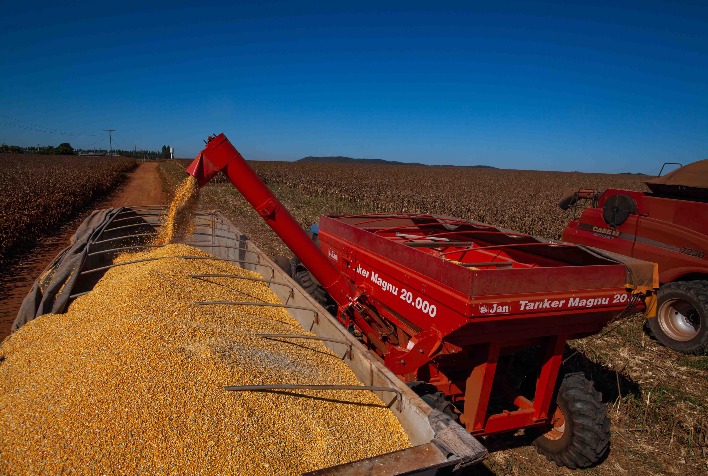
(608, 86)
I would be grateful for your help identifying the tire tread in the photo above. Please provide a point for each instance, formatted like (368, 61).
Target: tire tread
(303, 277)
(587, 422)
(698, 290)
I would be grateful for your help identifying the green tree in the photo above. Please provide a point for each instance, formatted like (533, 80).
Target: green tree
(10, 149)
(65, 149)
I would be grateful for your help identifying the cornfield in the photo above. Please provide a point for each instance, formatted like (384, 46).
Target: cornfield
(520, 200)
(38, 192)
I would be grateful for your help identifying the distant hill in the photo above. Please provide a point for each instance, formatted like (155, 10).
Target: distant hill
(339, 159)
(349, 160)
(469, 166)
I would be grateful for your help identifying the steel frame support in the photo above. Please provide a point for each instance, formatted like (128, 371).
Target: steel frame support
(478, 390)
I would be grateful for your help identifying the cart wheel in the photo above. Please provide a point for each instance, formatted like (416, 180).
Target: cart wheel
(284, 263)
(681, 321)
(305, 279)
(580, 436)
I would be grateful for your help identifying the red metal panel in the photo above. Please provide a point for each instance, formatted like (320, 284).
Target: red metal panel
(598, 274)
(509, 421)
(517, 327)
(670, 232)
(479, 389)
(546, 382)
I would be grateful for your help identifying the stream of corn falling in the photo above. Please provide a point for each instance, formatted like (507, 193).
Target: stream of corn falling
(130, 380)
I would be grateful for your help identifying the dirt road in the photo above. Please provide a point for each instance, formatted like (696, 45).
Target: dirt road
(143, 187)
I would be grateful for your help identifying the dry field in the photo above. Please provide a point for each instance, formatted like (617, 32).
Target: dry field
(658, 399)
(37, 192)
(516, 199)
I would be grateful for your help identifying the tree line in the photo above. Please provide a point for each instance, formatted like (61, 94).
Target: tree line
(66, 149)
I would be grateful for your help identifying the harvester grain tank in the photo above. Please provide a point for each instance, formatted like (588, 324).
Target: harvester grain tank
(474, 317)
(667, 225)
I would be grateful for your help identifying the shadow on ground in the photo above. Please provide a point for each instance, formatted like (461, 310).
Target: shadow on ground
(611, 384)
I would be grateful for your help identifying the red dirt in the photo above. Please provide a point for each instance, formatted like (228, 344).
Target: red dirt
(143, 187)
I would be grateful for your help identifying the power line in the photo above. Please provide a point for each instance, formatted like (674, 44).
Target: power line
(13, 122)
(90, 146)
(19, 126)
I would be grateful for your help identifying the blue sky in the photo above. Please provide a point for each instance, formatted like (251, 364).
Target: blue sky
(606, 87)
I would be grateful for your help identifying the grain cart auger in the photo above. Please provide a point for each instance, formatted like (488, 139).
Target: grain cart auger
(474, 317)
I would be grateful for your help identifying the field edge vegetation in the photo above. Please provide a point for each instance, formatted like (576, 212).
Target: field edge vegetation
(39, 193)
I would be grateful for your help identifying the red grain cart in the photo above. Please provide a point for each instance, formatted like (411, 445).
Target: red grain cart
(474, 317)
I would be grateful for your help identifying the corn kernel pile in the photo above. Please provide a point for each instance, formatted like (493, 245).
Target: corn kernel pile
(130, 381)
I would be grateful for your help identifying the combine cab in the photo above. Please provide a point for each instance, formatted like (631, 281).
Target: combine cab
(669, 226)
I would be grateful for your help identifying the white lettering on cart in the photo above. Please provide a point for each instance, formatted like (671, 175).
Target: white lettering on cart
(592, 302)
(385, 285)
(545, 304)
(493, 308)
(418, 302)
(362, 271)
(561, 303)
(552, 304)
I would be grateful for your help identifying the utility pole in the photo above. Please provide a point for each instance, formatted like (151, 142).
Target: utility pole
(110, 139)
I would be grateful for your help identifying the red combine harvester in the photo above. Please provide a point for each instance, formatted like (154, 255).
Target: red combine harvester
(669, 226)
(474, 317)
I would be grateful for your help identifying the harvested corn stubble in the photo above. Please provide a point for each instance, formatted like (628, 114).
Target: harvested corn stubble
(131, 380)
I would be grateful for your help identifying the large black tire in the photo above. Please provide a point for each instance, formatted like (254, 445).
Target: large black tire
(582, 437)
(303, 277)
(422, 388)
(307, 281)
(681, 321)
(285, 264)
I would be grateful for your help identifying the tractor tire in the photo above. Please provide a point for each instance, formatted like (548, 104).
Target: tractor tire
(580, 437)
(285, 264)
(681, 321)
(303, 277)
